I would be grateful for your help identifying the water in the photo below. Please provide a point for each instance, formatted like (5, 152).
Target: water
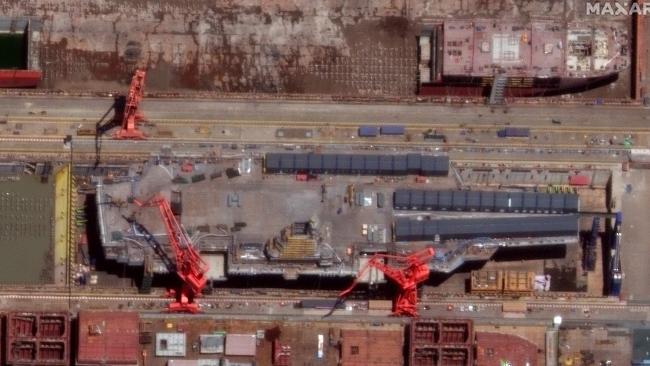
(13, 51)
(26, 245)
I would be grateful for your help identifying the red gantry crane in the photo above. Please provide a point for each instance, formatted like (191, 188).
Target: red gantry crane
(189, 266)
(413, 270)
(131, 116)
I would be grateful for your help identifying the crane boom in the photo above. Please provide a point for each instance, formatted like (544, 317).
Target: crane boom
(412, 271)
(131, 116)
(189, 266)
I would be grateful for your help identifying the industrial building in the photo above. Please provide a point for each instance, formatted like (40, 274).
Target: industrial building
(425, 165)
(492, 227)
(486, 201)
(106, 337)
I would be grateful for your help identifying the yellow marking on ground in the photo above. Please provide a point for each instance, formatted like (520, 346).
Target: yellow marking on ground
(62, 223)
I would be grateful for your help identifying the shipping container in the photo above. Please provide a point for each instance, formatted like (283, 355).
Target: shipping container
(368, 131)
(579, 180)
(486, 281)
(518, 282)
(86, 132)
(513, 132)
(322, 304)
(380, 305)
(381, 198)
(394, 130)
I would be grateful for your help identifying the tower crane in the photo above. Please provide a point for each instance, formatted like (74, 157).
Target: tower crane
(413, 269)
(131, 116)
(189, 266)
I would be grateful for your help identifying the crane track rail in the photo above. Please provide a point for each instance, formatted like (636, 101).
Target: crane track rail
(338, 124)
(510, 145)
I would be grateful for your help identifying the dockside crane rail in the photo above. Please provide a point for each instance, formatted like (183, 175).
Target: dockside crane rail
(413, 269)
(132, 115)
(189, 266)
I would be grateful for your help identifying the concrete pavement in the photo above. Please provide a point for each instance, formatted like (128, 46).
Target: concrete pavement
(211, 110)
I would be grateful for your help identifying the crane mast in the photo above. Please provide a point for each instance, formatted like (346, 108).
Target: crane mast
(131, 116)
(413, 270)
(190, 268)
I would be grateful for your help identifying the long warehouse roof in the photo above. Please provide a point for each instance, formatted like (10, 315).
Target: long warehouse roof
(486, 201)
(426, 165)
(492, 227)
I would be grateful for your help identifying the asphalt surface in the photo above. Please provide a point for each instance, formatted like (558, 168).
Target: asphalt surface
(212, 110)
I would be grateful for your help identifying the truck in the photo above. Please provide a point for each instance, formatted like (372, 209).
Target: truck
(368, 131)
(514, 132)
(394, 130)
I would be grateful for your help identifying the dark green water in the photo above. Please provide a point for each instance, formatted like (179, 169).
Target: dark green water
(26, 214)
(13, 51)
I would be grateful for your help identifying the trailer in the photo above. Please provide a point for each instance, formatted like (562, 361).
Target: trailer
(514, 132)
(393, 130)
(368, 131)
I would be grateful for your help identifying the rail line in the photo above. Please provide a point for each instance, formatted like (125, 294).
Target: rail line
(349, 142)
(569, 128)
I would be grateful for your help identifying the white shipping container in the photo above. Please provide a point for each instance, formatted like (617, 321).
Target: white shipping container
(425, 74)
(425, 49)
(321, 340)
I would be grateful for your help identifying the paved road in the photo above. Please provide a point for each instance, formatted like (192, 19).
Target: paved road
(94, 108)
(540, 312)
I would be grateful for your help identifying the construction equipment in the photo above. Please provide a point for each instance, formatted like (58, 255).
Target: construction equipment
(413, 270)
(189, 266)
(132, 115)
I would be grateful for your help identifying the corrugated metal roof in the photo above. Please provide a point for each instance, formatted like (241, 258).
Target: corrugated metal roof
(241, 345)
(107, 337)
(358, 347)
(357, 164)
(496, 227)
(171, 344)
(212, 343)
(489, 201)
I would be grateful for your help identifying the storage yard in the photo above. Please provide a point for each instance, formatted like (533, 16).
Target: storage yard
(323, 183)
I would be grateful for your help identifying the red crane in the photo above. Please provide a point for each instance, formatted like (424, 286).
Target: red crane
(413, 270)
(189, 266)
(131, 116)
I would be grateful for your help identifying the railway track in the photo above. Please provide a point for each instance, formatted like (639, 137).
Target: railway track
(338, 124)
(82, 142)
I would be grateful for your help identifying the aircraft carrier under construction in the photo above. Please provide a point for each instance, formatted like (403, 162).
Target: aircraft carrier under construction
(277, 183)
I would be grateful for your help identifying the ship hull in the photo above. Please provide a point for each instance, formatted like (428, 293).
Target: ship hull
(461, 85)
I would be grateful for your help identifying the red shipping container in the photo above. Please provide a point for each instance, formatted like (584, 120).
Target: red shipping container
(579, 180)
